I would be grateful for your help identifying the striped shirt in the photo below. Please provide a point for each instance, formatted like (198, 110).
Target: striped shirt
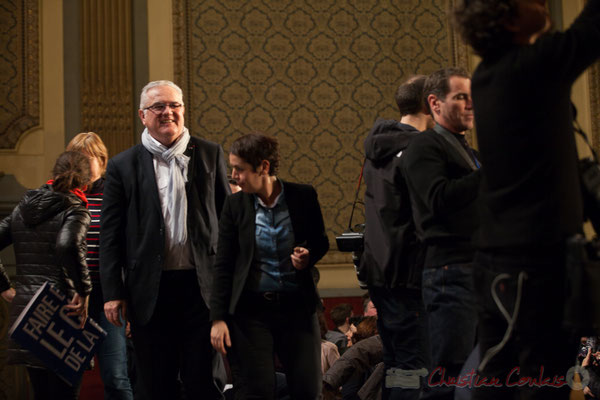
(94, 196)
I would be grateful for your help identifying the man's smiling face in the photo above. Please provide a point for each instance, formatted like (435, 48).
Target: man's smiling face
(166, 125)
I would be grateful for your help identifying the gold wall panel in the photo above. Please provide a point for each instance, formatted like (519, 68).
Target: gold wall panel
(19, 70)
(107, 100)
(314, 73)
(594, 83)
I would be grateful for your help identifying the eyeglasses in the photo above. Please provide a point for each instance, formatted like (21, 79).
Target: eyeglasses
(157, 108)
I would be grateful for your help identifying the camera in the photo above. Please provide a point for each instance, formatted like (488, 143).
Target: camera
(590, 344)
(350, 241)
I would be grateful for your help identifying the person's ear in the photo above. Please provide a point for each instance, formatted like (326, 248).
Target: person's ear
(265, 167)
(142, 116)
(434, 103)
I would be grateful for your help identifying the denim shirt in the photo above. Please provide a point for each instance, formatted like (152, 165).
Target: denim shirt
(272, 268)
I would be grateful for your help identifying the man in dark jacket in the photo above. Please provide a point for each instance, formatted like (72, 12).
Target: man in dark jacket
(530, 193)
(392, 257)
(442, 175)
(162, 200)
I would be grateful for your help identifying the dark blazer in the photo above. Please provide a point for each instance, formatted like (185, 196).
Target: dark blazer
(443, 190)
(132, 239)
(237, 243)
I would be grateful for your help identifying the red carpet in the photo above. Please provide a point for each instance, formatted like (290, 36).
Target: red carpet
(91, 387)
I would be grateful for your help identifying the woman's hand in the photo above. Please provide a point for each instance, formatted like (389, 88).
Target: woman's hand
(79, 305)
(219, 336)
(300, 258)
(8, 294)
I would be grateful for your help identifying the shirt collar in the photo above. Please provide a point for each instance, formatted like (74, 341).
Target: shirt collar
(278, 200)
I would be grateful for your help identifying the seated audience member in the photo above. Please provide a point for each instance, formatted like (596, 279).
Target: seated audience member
(329, 351)
(361, 358)
(340, 315)
(369, 309)
(365, 329)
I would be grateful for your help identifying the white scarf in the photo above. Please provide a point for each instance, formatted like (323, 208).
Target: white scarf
(178, 165)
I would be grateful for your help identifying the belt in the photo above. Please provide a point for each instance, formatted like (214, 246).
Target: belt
(272, 297)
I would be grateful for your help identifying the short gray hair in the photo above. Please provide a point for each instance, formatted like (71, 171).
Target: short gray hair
(153, 84)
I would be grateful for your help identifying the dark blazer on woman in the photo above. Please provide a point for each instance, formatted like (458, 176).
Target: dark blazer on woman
(236, 247)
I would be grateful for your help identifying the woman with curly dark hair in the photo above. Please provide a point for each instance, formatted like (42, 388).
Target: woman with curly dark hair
(264, 300)
(48, 230)
(530, 195)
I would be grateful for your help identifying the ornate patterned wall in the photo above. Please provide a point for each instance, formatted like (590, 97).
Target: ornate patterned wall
(313, 73)
(19, 70)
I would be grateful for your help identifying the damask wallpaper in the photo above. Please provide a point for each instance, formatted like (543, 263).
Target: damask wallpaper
(314, 73)
(19, 69)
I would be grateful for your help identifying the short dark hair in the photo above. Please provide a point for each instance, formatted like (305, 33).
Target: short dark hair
(409, 96)
(254, 148)
(482, 24)
(340, 312)
(438, 83)
(71, 171)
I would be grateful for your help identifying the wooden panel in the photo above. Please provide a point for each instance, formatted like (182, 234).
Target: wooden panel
(107, 99)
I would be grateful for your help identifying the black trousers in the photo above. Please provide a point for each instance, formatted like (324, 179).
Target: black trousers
(173, 351)
(535, 362)
(48, 386)
(281, 325)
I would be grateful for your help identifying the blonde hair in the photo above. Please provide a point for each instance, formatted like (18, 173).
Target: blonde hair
(90, 144)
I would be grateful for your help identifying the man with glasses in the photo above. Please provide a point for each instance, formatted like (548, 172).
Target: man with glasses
(162, 200)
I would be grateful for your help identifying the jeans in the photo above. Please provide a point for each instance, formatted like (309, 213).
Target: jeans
(112, 353)
(402, 326)
(448, 295)
(537, 346)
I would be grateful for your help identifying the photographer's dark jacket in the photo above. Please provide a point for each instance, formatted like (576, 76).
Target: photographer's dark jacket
(48, 231)
(443, 190)
(530, 189)
(392, 255)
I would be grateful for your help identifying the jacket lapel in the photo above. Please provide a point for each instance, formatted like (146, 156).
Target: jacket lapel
(295, 208)
(248, 225)
(191, 173)
(148, 178)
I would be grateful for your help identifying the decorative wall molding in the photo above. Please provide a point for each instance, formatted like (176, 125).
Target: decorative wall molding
(107, 100)
(594, 84)
(19, 70)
